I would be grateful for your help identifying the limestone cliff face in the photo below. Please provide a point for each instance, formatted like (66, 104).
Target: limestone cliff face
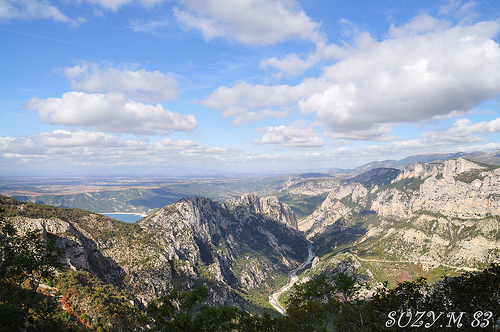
(246, 205)
(447, 168)
(455, 188)
(228, 239)
(81, 250)
(333, 209)
(440, 213)
(233, 246)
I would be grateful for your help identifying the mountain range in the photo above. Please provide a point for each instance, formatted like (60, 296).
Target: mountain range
(437, 216)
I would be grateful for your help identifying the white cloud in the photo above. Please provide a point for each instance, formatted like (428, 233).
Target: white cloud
(296, 64)
(33, 9)
(463, 12)
(140, 84)
(426, 69)
(292, 136)
(290, 65)
(243, 99)
(409, 78)
(117, 4)
(67, 138)
(255, 22)
(462, 136)
(377, 132)
(96, 148)
(111, 113)
(464, 132)
(147, 26)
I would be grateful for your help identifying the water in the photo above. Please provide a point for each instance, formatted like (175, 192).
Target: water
(127, 217)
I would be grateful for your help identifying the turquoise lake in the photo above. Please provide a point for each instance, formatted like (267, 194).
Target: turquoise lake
(127, 217)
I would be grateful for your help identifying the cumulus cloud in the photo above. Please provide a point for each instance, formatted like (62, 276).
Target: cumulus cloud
(148, 86)
(66, 138)
(295, 135)
(423, 72)
(296, 64)
(462, 136)
(110, 112)
(243, 98)
(33, 9)
(463, 132)
(255, 22)
(426, 69)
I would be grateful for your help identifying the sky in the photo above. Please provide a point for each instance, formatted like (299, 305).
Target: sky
(162, 87)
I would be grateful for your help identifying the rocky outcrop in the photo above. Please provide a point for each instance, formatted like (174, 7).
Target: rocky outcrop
(246, 205)
(229, 237)
(456, 188)
(434, 214)
(447, 168)
(337, 206)
(233, 246)
(81, 250)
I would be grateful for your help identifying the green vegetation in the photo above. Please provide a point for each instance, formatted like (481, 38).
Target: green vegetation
(33, 210)
(96, 305)
(470, 176)
(32, 294)
(468, 293)
(383, 179)
(26, 260)
(407, 184)
(475, 174)
(303, 205)
(335, 304)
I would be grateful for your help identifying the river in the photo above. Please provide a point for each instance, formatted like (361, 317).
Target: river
(292, 279)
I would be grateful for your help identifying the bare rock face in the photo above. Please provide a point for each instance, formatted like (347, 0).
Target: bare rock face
(183, 226)
(435, 214)
(334, 208)
(331, 211)
(447, 168)
(233, 246)
(250, 204)
(456, 188)
(81, 251)
(240, 243)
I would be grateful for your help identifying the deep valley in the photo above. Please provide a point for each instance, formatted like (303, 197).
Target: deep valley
(426, 219)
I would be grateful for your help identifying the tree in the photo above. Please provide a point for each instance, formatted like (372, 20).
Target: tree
(25, 260)
(476, 295)
(312, 306)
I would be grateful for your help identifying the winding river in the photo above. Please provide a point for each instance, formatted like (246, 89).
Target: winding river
(292, 279)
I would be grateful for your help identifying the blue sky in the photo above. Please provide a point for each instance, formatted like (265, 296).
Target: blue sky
(142, 87)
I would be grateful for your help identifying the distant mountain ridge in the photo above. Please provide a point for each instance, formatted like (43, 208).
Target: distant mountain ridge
(492, 158)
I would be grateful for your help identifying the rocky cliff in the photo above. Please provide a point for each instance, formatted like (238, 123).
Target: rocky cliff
(240, 243)
(439, 214)
(425, 217)
(233, 247)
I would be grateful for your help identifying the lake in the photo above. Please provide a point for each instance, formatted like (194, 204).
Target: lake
(127, 217)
